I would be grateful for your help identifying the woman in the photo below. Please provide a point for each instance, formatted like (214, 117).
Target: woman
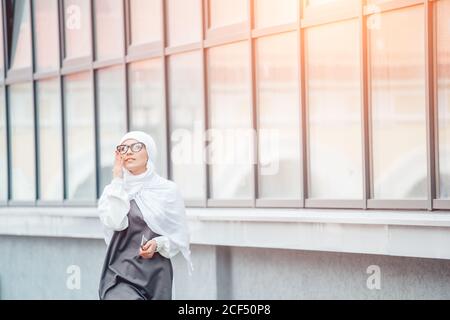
(144, 220)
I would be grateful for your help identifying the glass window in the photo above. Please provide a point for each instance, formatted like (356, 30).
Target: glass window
(378, 1)
(48, 101)
(184, 21)
(21, 36)
(227, 12)
(77, 26)
(314, 9)
(46, 34)
(146, 21)
(230, 135)
(3, 149)
(443, 84)
(399, 149)
(334, 111)
(80, 140)
(187, 123)
(109, 41)
(311, 3)
(112, 117)
(318, 3)
(21, 113)
(269, 12)
(147, 105)
(279, 116)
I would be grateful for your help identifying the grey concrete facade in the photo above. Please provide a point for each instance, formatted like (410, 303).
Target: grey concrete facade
(37, 268)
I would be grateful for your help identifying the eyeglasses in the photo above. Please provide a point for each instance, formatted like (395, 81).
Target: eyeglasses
(135, 147)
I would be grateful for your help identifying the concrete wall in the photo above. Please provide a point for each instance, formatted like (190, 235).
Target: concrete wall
(36, 268)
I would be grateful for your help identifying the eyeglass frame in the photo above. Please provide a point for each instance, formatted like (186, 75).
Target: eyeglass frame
(130, 147)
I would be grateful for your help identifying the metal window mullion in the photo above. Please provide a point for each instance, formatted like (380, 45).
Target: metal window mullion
(205, 50)
(253, 102)
(61, 80)
(302, 106)
(164, 36)
(36, 141)
(364, 89)
(430, 102)
(97, 142)
(62, 30)
(368, 121)
(125, 19)
(35, 106)
(8, 145)
(305, 113)
(206, 194)
(93, 79)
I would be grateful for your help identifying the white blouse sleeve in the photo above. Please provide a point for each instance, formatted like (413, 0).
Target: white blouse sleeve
(165, 247)
(114, 206)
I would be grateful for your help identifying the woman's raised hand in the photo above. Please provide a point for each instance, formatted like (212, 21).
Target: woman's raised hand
(118, 164)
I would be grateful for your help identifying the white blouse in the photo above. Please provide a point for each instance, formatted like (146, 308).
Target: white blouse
(114, 205)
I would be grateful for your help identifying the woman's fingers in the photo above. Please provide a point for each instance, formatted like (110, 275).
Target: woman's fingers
(147, 245)
(146, 255)
(148, 250)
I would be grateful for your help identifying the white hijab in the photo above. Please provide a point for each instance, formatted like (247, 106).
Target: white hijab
(158, 199)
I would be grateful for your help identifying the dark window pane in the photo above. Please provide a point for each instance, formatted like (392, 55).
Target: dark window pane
(21, 36)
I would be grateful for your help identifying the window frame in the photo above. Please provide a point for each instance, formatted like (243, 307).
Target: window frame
(432, 77)
(12, 202)
(101, 63)
(37, 75)
(145, 50)
(372, 203)
(22, 74)
(39, 201)
(356, 203)
(244, 31)
(228, 32)
(199, 203)
(74, 65)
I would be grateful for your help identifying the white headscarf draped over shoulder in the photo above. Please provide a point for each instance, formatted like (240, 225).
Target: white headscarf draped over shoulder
(158, 199)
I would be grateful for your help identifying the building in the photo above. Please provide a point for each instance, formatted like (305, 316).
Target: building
(310, 139)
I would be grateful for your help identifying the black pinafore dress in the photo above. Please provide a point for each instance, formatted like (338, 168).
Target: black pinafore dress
(126, 275)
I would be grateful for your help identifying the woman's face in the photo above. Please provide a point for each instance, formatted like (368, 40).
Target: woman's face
(135, 162)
